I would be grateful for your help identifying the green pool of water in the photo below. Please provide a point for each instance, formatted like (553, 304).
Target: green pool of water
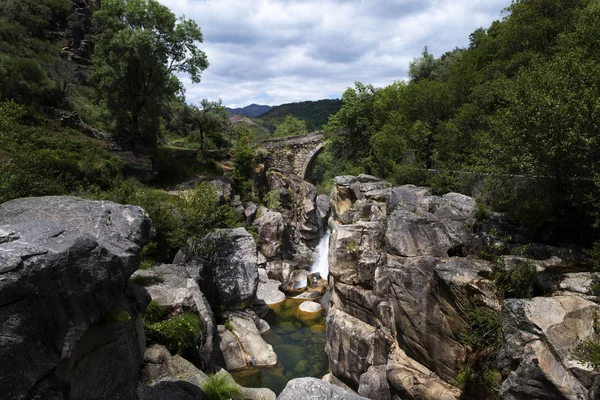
(299, 344)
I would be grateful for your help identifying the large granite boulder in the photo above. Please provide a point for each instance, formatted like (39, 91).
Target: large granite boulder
(71, 324)
(420, 224)
(351, 196)
(242, 344)
(227, 270)
(355, 252)
(270, 228)
(539, 337)
(352, 346)
(412, 380)
(315, 389)
(301, 213)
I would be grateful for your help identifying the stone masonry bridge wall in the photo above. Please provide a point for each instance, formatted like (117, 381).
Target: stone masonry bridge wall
(294, 154)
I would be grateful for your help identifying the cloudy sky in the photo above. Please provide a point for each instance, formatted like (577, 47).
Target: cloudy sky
(280, 51)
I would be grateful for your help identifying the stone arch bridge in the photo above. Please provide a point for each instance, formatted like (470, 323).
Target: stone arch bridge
(294, 154)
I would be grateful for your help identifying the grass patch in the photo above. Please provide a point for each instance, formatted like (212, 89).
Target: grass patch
(221, 387)
(117, 315)
(479, 377)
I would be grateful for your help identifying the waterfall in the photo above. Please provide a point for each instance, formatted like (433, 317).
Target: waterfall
(321, 264)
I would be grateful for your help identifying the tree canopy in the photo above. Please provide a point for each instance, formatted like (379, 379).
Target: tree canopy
(140, 47)
(522, 99)
(291, 127)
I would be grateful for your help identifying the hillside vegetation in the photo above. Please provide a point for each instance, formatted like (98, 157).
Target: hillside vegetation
(522, 99)
(70, 128)
(314, 113)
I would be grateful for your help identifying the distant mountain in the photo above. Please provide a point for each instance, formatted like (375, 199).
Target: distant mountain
(253, 110)
(315, 113)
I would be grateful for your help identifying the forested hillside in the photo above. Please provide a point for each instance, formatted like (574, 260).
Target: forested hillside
(522, 99)
(314, 113)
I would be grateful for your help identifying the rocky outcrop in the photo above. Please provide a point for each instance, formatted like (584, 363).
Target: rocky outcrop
(227, 269)
(174, 288)
(315, 389)
(420, 224)
(304, 215)
(79, 33)
(71, 318)
(173, 377)
(412, 380)
(539, 337)
(409, 286)
(270, 229)
(241, 342)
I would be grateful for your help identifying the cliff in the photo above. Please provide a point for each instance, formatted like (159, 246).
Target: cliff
(417, 309)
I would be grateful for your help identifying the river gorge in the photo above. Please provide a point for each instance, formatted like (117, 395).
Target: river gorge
(374, 292)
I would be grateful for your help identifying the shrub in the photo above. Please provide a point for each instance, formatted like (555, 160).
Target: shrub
(221, 387)
(588, 352)
(272, 200)
(482, 212)
(179, 334)
(117, 315)
(154, 313)
(517, 283)
(160, 206)
(479, 377)
(485, 328)
(200, 213)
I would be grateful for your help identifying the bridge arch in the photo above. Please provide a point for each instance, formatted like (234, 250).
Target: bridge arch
(310, 159)
(294, 154)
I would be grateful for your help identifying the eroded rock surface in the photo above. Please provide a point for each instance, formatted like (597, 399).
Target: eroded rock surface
(176, 378)
(65, 299)
(539, 336)
(408, 279)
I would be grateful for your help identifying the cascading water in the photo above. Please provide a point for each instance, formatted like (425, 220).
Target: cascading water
(321, 264)
(297, 338)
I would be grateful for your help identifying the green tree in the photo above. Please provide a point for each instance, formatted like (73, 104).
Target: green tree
(140, 48)
(212, 121)
(422, 67)
(244, 151)
(291, 126)
(350, 130)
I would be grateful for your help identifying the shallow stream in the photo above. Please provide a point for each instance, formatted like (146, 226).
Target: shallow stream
(298, 339)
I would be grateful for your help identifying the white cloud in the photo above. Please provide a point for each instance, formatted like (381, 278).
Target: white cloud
(280, 51)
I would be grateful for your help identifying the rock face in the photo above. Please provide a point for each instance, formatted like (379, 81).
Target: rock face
(79, 33)
(71, 318)
(539, 337)
(315, 389)
(227, 271)
(405, 271)
(304, 217)
(270, 228)
(242, 344)
(394, 287)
